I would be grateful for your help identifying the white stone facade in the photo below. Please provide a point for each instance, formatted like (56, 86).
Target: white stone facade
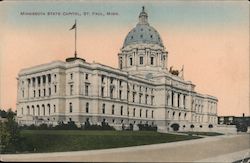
(142, 90)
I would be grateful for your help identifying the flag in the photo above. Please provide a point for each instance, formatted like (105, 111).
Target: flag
(73, 27)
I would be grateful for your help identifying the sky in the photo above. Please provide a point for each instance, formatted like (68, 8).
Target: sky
(210, 38)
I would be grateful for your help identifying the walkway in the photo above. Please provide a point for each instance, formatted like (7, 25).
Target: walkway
(209, 149)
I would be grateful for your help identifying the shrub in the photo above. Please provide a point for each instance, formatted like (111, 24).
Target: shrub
(175, 126)
(146, 127)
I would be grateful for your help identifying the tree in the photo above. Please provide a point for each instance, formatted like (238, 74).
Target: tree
(10, 134)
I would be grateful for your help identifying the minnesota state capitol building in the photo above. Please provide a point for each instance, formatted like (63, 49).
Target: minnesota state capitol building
(141, 91)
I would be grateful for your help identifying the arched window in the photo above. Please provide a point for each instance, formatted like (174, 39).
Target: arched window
(49, 108)
(33, 110)
(87, 107)
(43, 109)
(38, 109)
(134, 112)
(140, 112)
(28, 110)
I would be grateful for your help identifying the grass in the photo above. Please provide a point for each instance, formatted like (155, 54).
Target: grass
(75, 140)
(203, 133)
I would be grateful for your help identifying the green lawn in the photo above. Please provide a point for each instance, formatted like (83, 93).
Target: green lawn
(75, 140)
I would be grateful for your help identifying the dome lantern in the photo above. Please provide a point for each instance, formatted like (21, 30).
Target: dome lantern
(143, 17)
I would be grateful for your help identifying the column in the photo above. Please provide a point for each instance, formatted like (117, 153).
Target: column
(175, 99)
(169, 98)
(181, 101)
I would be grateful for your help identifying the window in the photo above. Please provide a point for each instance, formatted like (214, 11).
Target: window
(152, 114)
(131, 61)
(102, 78)
(49, 108)
(103, 108)
(146, 99)
(140, 112)
(113, 109)
(49, 78)
(121, 110)
(86, 90)
(141, 60)
(34, 93)
(102, 91)
(184, 101)
(120, 83)
(87, 76)
(146, 113)
(22, 111)
(28, 110)
(70, 107)
(111, 92)
(111, 80)
(151, 60)
(44, 92)
(120, 94)
(133, 96)
(152, 100)
(172, 99)
(134, 112)
(71, 89)
(55, 88)
(38, 110)
(49, 91)
(54, 108)
(140, 98)
(43, 109)
(33, 110)
(39, 93)
(71, 76)
(178, 101)
(87, 107)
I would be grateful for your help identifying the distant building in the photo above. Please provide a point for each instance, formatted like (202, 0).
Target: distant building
(233, 120)
(141, 91)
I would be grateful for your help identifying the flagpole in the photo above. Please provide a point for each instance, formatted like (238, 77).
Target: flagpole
(75, 39)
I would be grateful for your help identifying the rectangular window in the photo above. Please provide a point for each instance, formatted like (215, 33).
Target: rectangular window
(86, 90)
(131, 61)
(111, 93)
(55, 88)
(133, 97)
(44, 92)
(146, 99)
(71, 89)
(39, 93)
(121, 110)
(70, 108)
(152, 100)
(87, 107)
(49, 78)
(134, 112)
(120, 94)
(141, 60)
(87, 76)
(113, 109)
(102, 91)
(34, 93)
(151, 60)
(49, 91)
(102, 78)
(146, 113)
(103, 108)
(152, 114)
